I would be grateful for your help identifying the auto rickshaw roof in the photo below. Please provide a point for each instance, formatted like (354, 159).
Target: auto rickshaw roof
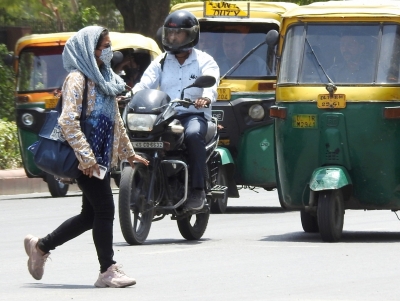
(259, 11)
(346, 8)
(119, 41)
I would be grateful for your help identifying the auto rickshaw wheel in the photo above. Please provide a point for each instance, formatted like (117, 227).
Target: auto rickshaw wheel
(220, 205)
(330, 215)
(56, 188)
(309, 221)
(134, 216)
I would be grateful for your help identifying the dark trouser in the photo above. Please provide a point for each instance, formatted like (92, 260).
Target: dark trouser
(195, 132)
(97, 214)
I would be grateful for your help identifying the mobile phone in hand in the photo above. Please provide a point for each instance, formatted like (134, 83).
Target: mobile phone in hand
(103, 171)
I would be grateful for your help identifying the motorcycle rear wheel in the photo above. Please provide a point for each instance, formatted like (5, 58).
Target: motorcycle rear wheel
(193, 226)
(134, 217)
(220, 205)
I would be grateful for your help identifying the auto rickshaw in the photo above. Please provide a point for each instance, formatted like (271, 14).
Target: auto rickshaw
(246, 90)
(40, 75)
(337, 113)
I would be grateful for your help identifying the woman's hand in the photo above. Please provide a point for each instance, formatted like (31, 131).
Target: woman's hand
(137, 158)
(89, 171)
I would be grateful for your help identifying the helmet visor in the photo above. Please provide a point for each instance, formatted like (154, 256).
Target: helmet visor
(178, 38)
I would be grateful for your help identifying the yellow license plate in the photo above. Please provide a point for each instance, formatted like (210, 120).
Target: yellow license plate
(337, 101)
(305, 121)
(50, 103)
(224, 94)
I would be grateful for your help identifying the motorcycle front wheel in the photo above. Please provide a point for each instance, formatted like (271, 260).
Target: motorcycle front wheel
(193, 226)
(135, 216)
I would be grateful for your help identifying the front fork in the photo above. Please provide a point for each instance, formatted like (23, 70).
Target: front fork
(153, 177)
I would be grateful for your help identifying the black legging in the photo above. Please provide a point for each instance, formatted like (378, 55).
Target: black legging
(97, 214)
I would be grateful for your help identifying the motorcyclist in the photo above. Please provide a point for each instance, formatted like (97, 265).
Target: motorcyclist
(175, 70)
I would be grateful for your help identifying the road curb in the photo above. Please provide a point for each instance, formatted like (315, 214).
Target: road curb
(15, 181)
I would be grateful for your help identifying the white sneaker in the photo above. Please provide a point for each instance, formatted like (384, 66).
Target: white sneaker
(114, 277)
(36, 260)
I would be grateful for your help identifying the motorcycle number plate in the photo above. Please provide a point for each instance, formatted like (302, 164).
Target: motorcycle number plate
(337, 101)
(140, 144)
(50, 103)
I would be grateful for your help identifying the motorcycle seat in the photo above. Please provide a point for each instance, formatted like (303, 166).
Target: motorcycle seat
(212, 128)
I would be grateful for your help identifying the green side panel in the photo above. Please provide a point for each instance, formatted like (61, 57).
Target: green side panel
(357, 138)
(255, 164)
(329, 177)
(225, 154)
(26, 139)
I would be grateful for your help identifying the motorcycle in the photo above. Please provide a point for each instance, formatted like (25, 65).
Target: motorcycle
(149, 193)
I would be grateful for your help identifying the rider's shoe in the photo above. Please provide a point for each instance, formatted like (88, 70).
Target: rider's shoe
(196, 200)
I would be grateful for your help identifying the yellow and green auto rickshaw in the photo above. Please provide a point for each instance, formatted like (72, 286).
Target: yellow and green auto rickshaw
(40, 75)
(337, 113)
(236, 35)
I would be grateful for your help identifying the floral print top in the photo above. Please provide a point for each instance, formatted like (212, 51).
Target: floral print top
(72, 92)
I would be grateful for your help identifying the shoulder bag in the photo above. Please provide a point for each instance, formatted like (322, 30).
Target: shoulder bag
(53, 155)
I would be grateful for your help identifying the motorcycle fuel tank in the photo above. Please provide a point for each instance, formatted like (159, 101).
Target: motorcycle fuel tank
(149, 101)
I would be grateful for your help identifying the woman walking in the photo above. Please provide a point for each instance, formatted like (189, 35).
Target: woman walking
(87, 57)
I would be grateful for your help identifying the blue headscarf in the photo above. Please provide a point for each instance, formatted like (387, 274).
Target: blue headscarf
(79, 55)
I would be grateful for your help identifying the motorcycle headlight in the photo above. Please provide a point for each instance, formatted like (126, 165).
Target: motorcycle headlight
(141, 122)
(256, 112)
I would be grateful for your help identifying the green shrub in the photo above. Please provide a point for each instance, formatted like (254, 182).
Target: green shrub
(9, 148)
(7, 87)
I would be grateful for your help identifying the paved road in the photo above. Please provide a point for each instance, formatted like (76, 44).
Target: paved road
(256, 251)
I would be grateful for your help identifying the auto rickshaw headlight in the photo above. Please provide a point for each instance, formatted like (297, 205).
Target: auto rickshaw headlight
(27, 119)
(141, 122)
(256, 112)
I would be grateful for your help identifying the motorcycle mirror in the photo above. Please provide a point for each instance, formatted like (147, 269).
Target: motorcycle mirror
(8, 59)
(272, 38)
(117, 58)
(204, 81)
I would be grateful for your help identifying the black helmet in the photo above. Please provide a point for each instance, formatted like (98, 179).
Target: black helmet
(179, 22)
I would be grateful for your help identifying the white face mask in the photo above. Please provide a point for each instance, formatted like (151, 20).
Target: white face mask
(106, 55)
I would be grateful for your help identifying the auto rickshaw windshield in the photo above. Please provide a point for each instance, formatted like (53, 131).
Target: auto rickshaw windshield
(40, 69)
(345, 53)
(228, 44)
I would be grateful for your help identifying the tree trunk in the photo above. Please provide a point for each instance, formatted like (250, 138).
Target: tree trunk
(144, 17)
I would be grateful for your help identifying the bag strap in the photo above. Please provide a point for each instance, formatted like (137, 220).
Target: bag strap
(84, 101)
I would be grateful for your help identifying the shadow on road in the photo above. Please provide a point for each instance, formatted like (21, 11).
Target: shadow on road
(254, 209)
(60, 286)
(347, 237)
(165, 241)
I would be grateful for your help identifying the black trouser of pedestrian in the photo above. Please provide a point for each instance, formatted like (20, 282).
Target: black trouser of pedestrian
(195, 131)
(97, 214)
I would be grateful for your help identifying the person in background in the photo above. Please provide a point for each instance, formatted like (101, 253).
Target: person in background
(208, 44)
(88, 54)
(233, 45)
(353, 67)
(172, 72)
(128, 69)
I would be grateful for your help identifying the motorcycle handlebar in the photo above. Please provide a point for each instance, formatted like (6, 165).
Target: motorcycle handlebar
(185, 102)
